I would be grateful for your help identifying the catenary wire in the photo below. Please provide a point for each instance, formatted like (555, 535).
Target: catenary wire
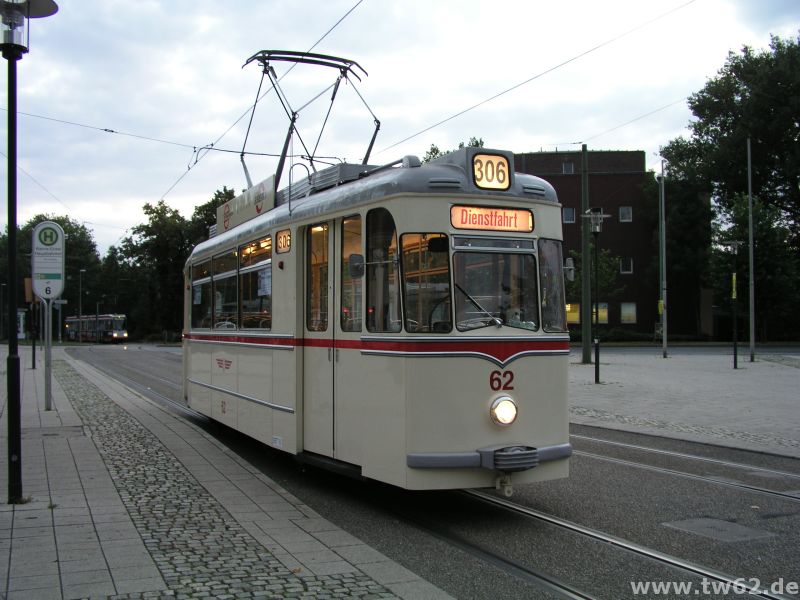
(246, 112)
(538, 75)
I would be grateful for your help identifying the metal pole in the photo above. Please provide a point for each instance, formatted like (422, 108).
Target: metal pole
(586, 293)
(2, 295)
(663, 259)
(750, 258)
(596, 311)
(48, 347)
(735, 326)
(80, 305)
(12, 55)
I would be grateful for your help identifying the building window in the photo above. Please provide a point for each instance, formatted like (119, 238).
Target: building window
(568, 214)
(627, 313)
(626, 265)
(625, 214)
(573, 313)
(602, 307)
(567, 168)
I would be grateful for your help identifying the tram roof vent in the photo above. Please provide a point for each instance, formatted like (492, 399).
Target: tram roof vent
(321, 180)
(445, 182)
(534, 190)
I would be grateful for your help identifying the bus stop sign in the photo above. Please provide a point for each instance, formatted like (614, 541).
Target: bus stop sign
(48, 260)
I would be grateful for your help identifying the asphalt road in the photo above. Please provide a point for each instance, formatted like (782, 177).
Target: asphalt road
(689, 509)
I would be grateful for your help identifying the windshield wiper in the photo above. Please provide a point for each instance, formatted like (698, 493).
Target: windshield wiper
(495, 320)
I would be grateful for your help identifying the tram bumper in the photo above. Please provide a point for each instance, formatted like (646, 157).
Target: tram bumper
(503, 457)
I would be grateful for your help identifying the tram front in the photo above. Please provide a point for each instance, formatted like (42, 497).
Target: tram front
(484, 336)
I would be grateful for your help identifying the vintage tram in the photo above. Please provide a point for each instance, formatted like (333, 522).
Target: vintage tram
(406, 321)
(105, 328)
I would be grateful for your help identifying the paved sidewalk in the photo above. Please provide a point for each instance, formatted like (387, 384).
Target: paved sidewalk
(128, 501)
(692, 395)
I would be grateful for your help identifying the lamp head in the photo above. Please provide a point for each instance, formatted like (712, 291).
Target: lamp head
(14, 28)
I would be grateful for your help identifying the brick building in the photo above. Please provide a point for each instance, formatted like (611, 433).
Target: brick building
(617, 184)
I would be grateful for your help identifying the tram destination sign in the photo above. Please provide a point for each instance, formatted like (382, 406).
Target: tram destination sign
(491, 219)
(48, 260)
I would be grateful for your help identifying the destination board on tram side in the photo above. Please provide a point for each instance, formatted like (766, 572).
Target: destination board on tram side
(483, 218)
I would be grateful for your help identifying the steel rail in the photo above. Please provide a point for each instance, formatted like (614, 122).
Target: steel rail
(527, 574)
(687, 456)
(736, 583)
(703, 478)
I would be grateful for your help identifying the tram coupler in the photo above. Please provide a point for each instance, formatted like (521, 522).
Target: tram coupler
(504, 483)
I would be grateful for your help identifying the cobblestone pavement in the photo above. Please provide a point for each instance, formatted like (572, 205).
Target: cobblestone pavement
(199, 548)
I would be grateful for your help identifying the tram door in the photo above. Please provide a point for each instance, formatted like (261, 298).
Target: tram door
(318, 351)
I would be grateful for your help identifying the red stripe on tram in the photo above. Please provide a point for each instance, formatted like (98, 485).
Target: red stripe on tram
(500, 350)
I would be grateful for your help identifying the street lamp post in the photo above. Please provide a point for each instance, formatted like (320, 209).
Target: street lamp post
(80, 304)
(15, 15)
(596, 216)
(734, 244)
(662, 259)
(2, 296)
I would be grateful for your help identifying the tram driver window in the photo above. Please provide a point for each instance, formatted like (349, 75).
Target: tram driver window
(426, 283)
(383, 285)
(551, 278)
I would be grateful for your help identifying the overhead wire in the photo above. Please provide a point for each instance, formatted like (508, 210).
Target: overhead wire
(199, 157)
(539, 75)
(56, 198)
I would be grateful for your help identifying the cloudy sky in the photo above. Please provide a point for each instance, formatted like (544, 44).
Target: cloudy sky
(120, 96)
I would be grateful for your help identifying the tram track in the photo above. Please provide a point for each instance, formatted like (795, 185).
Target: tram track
(731, 483)
(148, 391)
(526, 574)
(703, 478)
(522, 557)
(649, 553)
(682, 455)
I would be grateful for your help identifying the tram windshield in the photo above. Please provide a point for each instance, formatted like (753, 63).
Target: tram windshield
(495, 289)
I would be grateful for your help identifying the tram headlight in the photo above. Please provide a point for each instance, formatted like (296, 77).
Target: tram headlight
(503, 411)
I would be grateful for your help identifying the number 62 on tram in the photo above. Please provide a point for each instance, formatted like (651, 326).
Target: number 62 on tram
(406, 322)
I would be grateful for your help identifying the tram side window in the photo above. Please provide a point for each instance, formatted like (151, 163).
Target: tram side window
(426, 282)
(383, 285)
(317, 279)
(201, 295)
(255, 284)
(351, 300)
(551, 280)
(223, 285)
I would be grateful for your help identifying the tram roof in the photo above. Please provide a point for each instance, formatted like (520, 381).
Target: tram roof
(447, 175)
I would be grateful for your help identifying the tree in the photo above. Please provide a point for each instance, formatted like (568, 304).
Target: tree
(80, 254)
(755, 95)
(776, 267)
(159, 248)
(688, 245)
(205, 215)
(434, 151)
(609, 287)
